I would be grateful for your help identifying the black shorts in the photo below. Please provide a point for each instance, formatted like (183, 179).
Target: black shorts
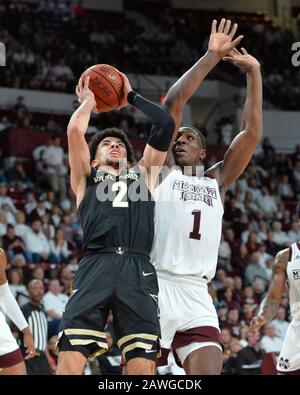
(38, 365)
(126, 284)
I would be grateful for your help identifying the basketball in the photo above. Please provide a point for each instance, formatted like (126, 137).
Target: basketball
(106, 84)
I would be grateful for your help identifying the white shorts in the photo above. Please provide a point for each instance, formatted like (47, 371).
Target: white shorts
(289, 357)
(187, 315)
(7, 341)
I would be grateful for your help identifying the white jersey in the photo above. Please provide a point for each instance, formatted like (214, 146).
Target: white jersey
(293, 275)
(8, 343)
(188, 225)
(289, 358)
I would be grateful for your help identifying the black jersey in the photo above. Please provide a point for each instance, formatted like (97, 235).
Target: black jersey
(117, 211)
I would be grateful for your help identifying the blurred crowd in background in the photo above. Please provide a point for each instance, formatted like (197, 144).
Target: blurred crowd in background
(49, 43)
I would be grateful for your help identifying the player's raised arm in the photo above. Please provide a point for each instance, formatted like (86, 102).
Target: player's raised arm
(271, 302)
(155, 152)
(244, 144)
(78, 150)
(220, 43)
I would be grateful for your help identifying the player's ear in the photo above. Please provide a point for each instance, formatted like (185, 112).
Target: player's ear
(95, 164)
(202, 155)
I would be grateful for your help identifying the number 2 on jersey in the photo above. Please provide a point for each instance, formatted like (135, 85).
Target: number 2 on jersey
(122, 188)
(196, 227)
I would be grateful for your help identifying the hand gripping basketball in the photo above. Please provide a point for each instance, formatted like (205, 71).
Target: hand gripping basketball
(106, 84)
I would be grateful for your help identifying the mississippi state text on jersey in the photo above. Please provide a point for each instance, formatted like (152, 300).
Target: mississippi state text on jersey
(187, 225)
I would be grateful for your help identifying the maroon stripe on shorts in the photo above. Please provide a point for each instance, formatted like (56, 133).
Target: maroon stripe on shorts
(163, 360)
(11, 359)
(199, 335)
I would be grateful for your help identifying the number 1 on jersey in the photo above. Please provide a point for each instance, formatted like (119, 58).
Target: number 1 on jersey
(196, 227)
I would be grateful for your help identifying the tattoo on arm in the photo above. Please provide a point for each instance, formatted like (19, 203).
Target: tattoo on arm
(270, 304)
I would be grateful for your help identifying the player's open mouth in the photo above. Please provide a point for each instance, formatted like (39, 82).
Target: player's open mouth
(179, 151)
(114, 153)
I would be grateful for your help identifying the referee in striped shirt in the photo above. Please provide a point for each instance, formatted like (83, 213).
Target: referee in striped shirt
(36, 317)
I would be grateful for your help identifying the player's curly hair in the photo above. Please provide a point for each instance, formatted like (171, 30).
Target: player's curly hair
(111, 132)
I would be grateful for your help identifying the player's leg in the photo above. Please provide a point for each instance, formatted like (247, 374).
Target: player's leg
(138, 364)
(203, 361)
(70, 362)
(288, 361)
(139, 350)
(11, 359)
(197, 341)
(82, 326)
(141, 366)
(135, 312)
(18, 369)
(169, 317)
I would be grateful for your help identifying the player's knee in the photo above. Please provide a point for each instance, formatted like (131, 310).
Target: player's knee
(140, 366)
(63, 368)
(139, 360)
(67, 369)
(200, 362)
(70, 363)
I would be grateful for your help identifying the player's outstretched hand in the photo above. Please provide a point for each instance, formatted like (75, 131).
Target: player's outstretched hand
(29, 344)
(126, 89)
(83, 92)
(221, 39)
(256, 323)
(242, 60)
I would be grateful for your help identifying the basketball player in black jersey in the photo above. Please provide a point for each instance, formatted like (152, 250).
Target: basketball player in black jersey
(115, 272)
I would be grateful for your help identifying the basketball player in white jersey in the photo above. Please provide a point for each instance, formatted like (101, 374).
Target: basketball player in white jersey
(189, 210)
(286, 268)
(11, 359)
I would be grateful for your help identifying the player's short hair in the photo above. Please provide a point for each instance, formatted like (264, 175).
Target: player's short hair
(111, 132)
(195, 130)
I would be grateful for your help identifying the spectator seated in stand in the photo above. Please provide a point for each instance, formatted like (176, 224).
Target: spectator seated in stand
(54, 304)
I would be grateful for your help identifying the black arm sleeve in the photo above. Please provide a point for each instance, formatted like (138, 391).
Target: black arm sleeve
(162, 121)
